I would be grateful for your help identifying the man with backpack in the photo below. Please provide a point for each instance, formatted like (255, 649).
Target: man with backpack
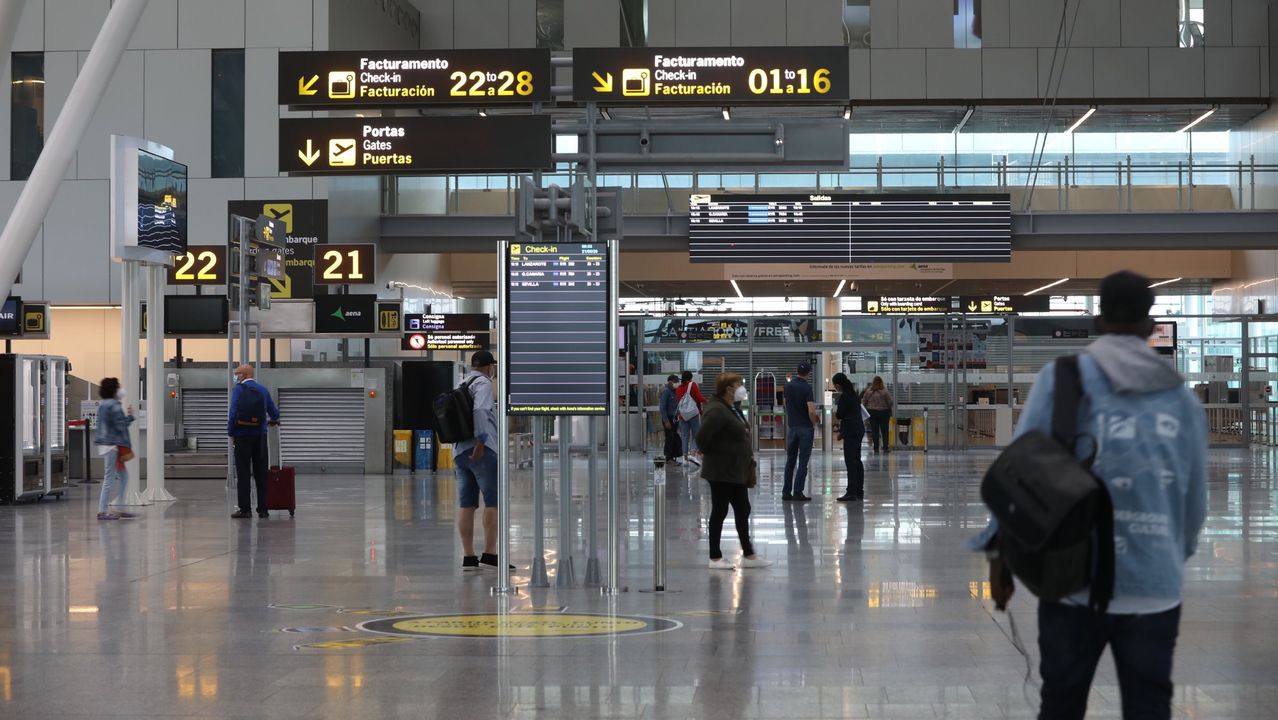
(476, 461)
(1142, 434)
(688, 404)
(251, 411)
(668, 407)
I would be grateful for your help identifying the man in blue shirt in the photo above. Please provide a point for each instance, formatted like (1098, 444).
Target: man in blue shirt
(800, 420)
(476, 460)
(246, 422)
(668, 407)
(1149, 433)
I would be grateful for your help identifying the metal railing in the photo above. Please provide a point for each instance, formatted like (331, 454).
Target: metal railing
(1056, 185)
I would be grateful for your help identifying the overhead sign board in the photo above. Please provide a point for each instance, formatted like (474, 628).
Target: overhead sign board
(199, 265)
(850, 228)
(35, 321)
(390, 314)
(445, 340)
(414, 78)
(458, 322)
(11, 317)
(1004, 304)
(711, 75)
(906, 305)
(378, 146)
(305, 225)
(559, 340)
(346, 314)
(346, 264)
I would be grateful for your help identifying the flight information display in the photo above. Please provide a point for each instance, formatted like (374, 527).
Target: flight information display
(557, 329)
(848, 228)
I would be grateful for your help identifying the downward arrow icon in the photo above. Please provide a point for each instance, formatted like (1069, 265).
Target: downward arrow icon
(971, 307)
(307, 87)
(310, 156)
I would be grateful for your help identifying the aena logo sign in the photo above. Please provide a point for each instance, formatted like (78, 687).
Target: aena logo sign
(343, 315)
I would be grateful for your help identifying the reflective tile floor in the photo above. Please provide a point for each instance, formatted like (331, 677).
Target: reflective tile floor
(870, 611)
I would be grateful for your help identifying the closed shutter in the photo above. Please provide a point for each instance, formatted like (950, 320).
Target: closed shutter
(204, 418)
(322, 426)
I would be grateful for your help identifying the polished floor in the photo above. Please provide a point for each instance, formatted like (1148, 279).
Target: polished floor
(870, 610)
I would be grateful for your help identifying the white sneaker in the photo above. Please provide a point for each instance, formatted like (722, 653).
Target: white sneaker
(755, 562)
(721, 564)
(694, 460)
(676, 461)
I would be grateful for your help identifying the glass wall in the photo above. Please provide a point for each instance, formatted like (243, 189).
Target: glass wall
(228, 113)
(26, 128)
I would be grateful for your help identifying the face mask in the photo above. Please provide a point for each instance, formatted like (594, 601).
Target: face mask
(741, 394)
(120, 394)
(235, 379)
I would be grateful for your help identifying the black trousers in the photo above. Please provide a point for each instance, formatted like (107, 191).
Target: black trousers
(723, 496)
(250, 465)
(878, 423)
(852, 459)
(674, 448)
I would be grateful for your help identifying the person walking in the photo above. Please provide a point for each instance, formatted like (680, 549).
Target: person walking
(852, 428)
(668, 408)
(476, 462)
(800, 420)
(878, 401)
(1149, 436)
(112, 440)
(252, 409)
(730, 468)
(689, 403)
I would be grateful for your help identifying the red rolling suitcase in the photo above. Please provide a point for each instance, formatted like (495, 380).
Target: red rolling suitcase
(281, 485)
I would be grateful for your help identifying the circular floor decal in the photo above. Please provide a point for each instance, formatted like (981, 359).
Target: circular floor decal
(549, 625)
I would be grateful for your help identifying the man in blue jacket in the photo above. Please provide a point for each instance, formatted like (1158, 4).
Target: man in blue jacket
(1150, 436)
(246, 422)
(668, 406)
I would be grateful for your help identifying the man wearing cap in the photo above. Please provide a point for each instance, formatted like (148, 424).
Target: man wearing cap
(1149, 436)
(668, 406)
(476, 460)
(800, 420)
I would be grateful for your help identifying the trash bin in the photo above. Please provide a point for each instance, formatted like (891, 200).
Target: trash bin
(424, 450)
(403, 449)
(904, 437)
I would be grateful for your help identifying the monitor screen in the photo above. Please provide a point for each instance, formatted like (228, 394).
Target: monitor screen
(161, 204)
(195, 315)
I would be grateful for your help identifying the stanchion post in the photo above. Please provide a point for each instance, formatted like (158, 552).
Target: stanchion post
(565, 577)
(659, 526)
(504, 585)
(539, 577)
(593, 578)
(614, 456)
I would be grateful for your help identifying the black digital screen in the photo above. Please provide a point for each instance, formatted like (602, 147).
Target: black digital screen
(346, 314)
(557, 329)
(850, 228)
(195, 315)
(11, 316)
(382, 145)
(161, 204)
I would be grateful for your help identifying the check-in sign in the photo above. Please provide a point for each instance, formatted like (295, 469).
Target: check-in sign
(377, 146)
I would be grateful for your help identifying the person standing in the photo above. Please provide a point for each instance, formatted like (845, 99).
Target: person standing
(689, 403)
(1149, 437)
(852, 429)
(801, 420)
(112, 440)
(878, 401)
(252, 409)
(476, 466)
(668, 408)
(724, 438)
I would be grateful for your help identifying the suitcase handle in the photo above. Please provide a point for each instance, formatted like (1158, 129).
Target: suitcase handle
(273, 445)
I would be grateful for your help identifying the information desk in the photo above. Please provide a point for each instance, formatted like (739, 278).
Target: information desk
(557, 325)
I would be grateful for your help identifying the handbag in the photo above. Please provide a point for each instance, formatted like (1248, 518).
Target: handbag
(865, 414)
(124, 454)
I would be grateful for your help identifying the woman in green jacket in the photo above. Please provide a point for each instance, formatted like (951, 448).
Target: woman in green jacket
(729, 467)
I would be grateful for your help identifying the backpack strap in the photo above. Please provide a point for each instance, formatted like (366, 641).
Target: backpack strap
(1069, 389)
(1102, 589)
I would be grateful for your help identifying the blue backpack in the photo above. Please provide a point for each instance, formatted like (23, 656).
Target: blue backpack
(250, 409)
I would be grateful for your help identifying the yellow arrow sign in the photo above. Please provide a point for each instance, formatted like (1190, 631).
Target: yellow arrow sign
(604, 83)
(307, 87)
(971, 306)
(282, 289)
(310, 155)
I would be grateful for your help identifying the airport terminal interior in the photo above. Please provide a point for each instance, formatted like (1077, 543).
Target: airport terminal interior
(283, 263)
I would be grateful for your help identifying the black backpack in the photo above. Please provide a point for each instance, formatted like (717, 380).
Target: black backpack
(455, 414)
(250, 408)
(1056, 519)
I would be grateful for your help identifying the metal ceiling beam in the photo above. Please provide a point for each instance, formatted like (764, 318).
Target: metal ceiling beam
(1030, 231)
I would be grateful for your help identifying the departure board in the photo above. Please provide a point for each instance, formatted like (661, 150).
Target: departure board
(557, 329)
(850, 228)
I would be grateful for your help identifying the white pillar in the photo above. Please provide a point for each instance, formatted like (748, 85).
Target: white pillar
(10, 14)
(59, 150)
(155, 390)
(130, 336)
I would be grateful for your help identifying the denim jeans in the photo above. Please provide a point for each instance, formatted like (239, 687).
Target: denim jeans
(1071, 640)
(688, 432)
(114, 482)
(798, 448)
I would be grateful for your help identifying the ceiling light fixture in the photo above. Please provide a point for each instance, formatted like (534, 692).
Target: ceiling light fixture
(1197, 120)
(483, 112)
(737, 287)
(847, 113)
(1090, 111)
(971, 109)
(1166, 282)
(1048, 286)
(839, 289)
(603, 112)
(727, 114)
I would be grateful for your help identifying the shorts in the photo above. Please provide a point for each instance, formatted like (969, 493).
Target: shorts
(476, 477)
